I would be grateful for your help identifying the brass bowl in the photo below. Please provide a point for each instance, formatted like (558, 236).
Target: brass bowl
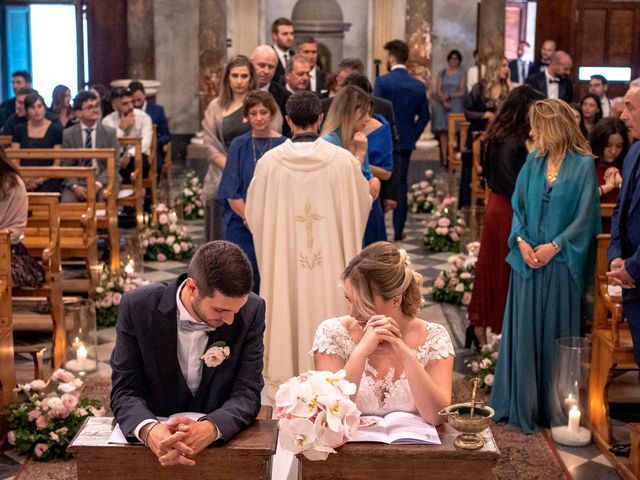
(459, 418)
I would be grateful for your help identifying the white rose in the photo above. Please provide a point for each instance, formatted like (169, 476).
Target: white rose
(187, 192)
(38, 385)
(171, 239)
(465, 275)
(485, 363)
(459, 287)
(99, 289)
(173, 228)
(110, 286)
(488, 379)
(215, 356)
(475, 367)
(176, 248)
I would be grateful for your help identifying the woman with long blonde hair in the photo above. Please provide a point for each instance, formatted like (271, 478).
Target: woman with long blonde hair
(556, 214)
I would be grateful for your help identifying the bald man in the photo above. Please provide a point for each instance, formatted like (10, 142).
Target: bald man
(554, 81)
(264, 62)
(547, 49)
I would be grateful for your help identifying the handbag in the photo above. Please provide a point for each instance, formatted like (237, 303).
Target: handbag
(26, 272)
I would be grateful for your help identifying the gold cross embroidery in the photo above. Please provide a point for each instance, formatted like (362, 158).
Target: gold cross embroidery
(308, 218)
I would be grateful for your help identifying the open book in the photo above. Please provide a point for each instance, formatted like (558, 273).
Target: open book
(398, 428)
(118, 438)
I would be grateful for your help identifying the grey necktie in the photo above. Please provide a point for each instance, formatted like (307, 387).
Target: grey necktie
(87, 141)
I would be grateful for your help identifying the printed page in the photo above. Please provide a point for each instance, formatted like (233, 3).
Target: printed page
(407, 428)
(371, 429)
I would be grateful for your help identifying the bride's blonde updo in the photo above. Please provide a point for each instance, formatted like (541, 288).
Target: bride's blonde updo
(385, 270)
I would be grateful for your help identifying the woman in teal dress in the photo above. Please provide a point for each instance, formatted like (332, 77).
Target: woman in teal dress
(556, 215)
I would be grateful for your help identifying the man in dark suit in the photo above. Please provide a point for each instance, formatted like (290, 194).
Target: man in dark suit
(411, 108)
(264, 60)
(547, 49)
(156, 112)
(282, 36)
(163, 332)
(88, 133)
(307, 47)
(624, 249)
(520, 67)
(554, 81)
(19, 80)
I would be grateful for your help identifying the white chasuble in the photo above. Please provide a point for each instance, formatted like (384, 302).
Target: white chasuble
(307, 208)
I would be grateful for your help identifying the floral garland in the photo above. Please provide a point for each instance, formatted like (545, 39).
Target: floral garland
(445, 228)
(191, 196)
(108, 294)
(455, 284)
(483, 364)
(43, 424)
(164, 240)
(422, 196)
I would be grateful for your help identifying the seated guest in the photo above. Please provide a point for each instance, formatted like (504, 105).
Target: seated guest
(38, 132)
(61, 106)
(296, 75)
(398, 361)
(590, 113)
(89, 132)
(21, 114)
(158, 364)
(19, 80)
(129, 122)
(156, 112)
(246, 150)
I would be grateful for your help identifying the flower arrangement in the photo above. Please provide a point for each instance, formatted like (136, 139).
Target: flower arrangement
(422, 196)
(43, 424)
(316, 414)
(108, 294)
(191, 196)
(445, 228)
(483, 364)
(455, 284)
(165, 240)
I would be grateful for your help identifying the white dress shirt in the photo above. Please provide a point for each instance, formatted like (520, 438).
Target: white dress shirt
(281, 56)
(142, 127)
(553, 89)
(523, 70)
(606, 106)
(313, 78)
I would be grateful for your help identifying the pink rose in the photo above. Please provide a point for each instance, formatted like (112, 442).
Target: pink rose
(33, 415)
(494, 355)
(40, 449)
(432, 224)
(11, 437)
(152, 240)
(423, 184)
(163, 219)
(454, 236)
(62, 430)
(69, 401)
(454, 281)
(439, 283)
(444, 222)
(62, 375)
(41, 422)
(117, 298)
(428, 173)
(107, 301)
(161, 257)
(160, 240)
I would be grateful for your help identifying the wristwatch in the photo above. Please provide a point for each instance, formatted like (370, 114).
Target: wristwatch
(519, 239)
(556, 246)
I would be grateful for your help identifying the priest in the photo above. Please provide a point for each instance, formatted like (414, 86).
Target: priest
(307, 208)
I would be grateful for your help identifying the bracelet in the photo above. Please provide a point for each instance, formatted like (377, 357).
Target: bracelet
(146, 439)
(519, 239)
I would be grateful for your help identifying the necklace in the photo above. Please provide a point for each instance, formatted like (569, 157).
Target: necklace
(257, 150)
(552, 172)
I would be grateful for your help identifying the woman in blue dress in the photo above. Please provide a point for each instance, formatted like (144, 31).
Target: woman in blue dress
(451, 86)
(259, 109)
(556, 215)
(370, 142)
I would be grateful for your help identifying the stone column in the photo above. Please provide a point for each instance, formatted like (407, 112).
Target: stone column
(212, 42)
(140, 39)
(419, 21)
(491, 30)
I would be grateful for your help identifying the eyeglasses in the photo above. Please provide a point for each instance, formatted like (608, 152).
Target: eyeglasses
(91, 107)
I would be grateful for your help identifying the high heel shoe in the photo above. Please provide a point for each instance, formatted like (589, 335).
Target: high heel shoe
(470, 338)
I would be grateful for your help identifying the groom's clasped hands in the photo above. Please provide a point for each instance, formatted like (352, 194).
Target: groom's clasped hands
(180, 439)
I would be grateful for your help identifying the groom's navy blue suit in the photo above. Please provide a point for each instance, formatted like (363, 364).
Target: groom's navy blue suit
(147, 380)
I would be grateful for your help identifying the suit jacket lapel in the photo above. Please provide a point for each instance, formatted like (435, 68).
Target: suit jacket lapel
(222, 334)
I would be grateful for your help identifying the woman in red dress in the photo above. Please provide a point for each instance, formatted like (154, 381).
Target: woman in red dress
(505, 153)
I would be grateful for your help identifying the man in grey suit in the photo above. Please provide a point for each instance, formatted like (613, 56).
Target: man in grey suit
(89, 132)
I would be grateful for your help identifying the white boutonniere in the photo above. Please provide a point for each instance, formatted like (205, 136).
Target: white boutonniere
(216, 354)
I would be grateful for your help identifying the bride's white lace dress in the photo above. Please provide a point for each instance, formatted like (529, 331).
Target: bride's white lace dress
(381, 395)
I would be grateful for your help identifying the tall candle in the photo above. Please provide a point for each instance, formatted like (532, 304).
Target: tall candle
(570, 401)
(574, 420)
(81, 356)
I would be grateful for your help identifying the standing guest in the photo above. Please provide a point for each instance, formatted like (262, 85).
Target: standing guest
(158, 364)
(349, 125)
(307, 47)
(505, 153)
(61, 106)
(282, 36)
(158, 118)
(89, 132)
(397, 361)
(624, 249)
(521, 67)
(307, 208)
(223, 121)
(554, 81)
(259, 109)
(547, 49)
(104, 94)
(19, 80)
(297, 74)
(411, 108)
(38, 132)
(264, 60)
(556, 214)
(480, 108)
(21, 113)
(590, 113)
(451, 87)
(598, 85)
(346, 67)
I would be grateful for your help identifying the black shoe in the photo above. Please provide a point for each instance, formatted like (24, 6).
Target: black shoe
(621, 449)
(398, 237)
(470, 338)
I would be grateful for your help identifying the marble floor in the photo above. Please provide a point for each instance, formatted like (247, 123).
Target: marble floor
(582, 463)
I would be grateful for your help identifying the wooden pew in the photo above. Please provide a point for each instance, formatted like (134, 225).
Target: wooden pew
(5, 141)
(109, 220)
(136, 198)
(7, 369)
(42, 239)
(456, 144)
(166, 173)
(479, 191)
(150, 182)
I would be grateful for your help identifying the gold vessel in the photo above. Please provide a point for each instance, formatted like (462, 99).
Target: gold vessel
(468, 423)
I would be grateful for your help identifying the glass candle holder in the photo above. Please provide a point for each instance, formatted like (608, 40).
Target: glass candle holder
(82, 338)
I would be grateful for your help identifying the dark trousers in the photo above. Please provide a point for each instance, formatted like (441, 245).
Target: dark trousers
(631, 307)
(400, 212)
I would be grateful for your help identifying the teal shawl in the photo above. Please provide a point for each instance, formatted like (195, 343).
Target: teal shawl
(573, 215)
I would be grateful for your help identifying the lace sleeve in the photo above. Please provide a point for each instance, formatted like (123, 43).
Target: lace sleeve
(437, 345)
(332, 338)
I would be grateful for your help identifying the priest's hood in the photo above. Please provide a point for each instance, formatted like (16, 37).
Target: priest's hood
(306, 156)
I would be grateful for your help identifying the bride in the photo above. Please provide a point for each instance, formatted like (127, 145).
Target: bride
(397, 361)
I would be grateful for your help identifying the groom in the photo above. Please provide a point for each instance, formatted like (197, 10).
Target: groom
(163, 331)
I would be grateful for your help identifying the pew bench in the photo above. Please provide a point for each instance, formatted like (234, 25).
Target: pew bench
(7, 369)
